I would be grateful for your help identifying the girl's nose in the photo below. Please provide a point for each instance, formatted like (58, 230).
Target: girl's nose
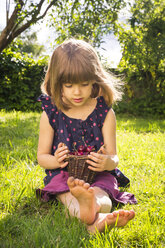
(77, 89)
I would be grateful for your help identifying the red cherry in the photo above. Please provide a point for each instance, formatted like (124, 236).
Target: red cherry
(72, 153)
(80, 153)
(90, 148)
(81, 148)
(85, 148)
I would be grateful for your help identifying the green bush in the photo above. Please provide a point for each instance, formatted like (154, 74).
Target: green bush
(143, 60)
(20, 79)
(142, 95)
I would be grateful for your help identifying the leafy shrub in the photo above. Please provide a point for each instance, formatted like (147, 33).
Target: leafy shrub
(20, 79)
(143, 60)
(142, 95)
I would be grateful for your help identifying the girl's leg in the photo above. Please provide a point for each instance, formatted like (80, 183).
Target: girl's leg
(80, 201)
(84, 201)
(71, 203)
(103, 200)
(117, 218)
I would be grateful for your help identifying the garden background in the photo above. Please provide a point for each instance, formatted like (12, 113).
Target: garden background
(140, 119)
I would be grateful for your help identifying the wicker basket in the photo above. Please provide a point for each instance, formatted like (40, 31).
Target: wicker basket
(78, 168)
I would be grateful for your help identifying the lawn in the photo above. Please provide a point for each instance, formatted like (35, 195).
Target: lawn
(27, 222)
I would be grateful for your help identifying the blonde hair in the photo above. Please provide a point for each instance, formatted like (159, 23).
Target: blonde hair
(76, 61)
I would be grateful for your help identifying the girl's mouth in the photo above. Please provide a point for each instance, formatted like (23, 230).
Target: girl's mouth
(78, 100)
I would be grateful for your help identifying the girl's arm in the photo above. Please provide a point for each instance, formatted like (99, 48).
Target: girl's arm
(109, 136)
(44, 157)
(108, 160)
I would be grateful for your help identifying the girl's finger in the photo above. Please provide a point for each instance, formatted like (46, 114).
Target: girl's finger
(95, 159)
(92, 163)
(60, 144)
(61, 149)
(95, 169)
(61, 159)
(64, 164)
(103, 150)
(97, 155)
(60, 154)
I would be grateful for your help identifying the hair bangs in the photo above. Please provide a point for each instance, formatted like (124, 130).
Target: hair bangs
(77, 70)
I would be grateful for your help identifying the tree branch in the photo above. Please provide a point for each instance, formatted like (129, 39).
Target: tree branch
(34, 18)
(11, 21)
(12, 30)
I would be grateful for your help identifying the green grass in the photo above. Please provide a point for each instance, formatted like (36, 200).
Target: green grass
(27, 222)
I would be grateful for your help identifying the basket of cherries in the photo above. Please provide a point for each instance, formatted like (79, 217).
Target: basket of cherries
(77, 166)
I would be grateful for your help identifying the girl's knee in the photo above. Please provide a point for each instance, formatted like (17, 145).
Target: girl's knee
(105, 205)
(103, 200)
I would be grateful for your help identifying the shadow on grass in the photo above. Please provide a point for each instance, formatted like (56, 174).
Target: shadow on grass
(36, 224)
(39, 224)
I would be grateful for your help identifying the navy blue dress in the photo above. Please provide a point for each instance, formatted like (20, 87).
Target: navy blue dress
(76, 132)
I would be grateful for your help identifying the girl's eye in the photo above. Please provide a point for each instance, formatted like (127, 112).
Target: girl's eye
(68, 85)
(85, 84)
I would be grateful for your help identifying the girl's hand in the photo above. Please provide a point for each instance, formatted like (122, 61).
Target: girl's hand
(100, 161)
(61, 154)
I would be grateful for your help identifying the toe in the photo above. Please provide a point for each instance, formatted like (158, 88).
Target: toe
(81, 182)
(126, 213)
(91, 190)
(116, 213)
(132, 214)
(70, 181)
(121, 212)
(86, 185)
(76, 181)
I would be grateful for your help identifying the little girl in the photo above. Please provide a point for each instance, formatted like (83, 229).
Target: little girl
(77, 98)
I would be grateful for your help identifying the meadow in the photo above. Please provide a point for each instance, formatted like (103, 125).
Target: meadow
(27, 222)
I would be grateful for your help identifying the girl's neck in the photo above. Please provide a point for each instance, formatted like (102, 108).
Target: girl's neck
(81, 112)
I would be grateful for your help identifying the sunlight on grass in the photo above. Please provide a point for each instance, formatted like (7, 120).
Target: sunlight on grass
(27, 222)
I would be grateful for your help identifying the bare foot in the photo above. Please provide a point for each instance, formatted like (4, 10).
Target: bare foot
(86, 198)
(123, 216)
(101, 221)
(117, 218)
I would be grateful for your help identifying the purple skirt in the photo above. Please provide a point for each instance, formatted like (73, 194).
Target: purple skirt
(103, 180)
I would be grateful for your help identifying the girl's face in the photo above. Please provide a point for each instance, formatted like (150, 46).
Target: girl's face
(77, 94)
